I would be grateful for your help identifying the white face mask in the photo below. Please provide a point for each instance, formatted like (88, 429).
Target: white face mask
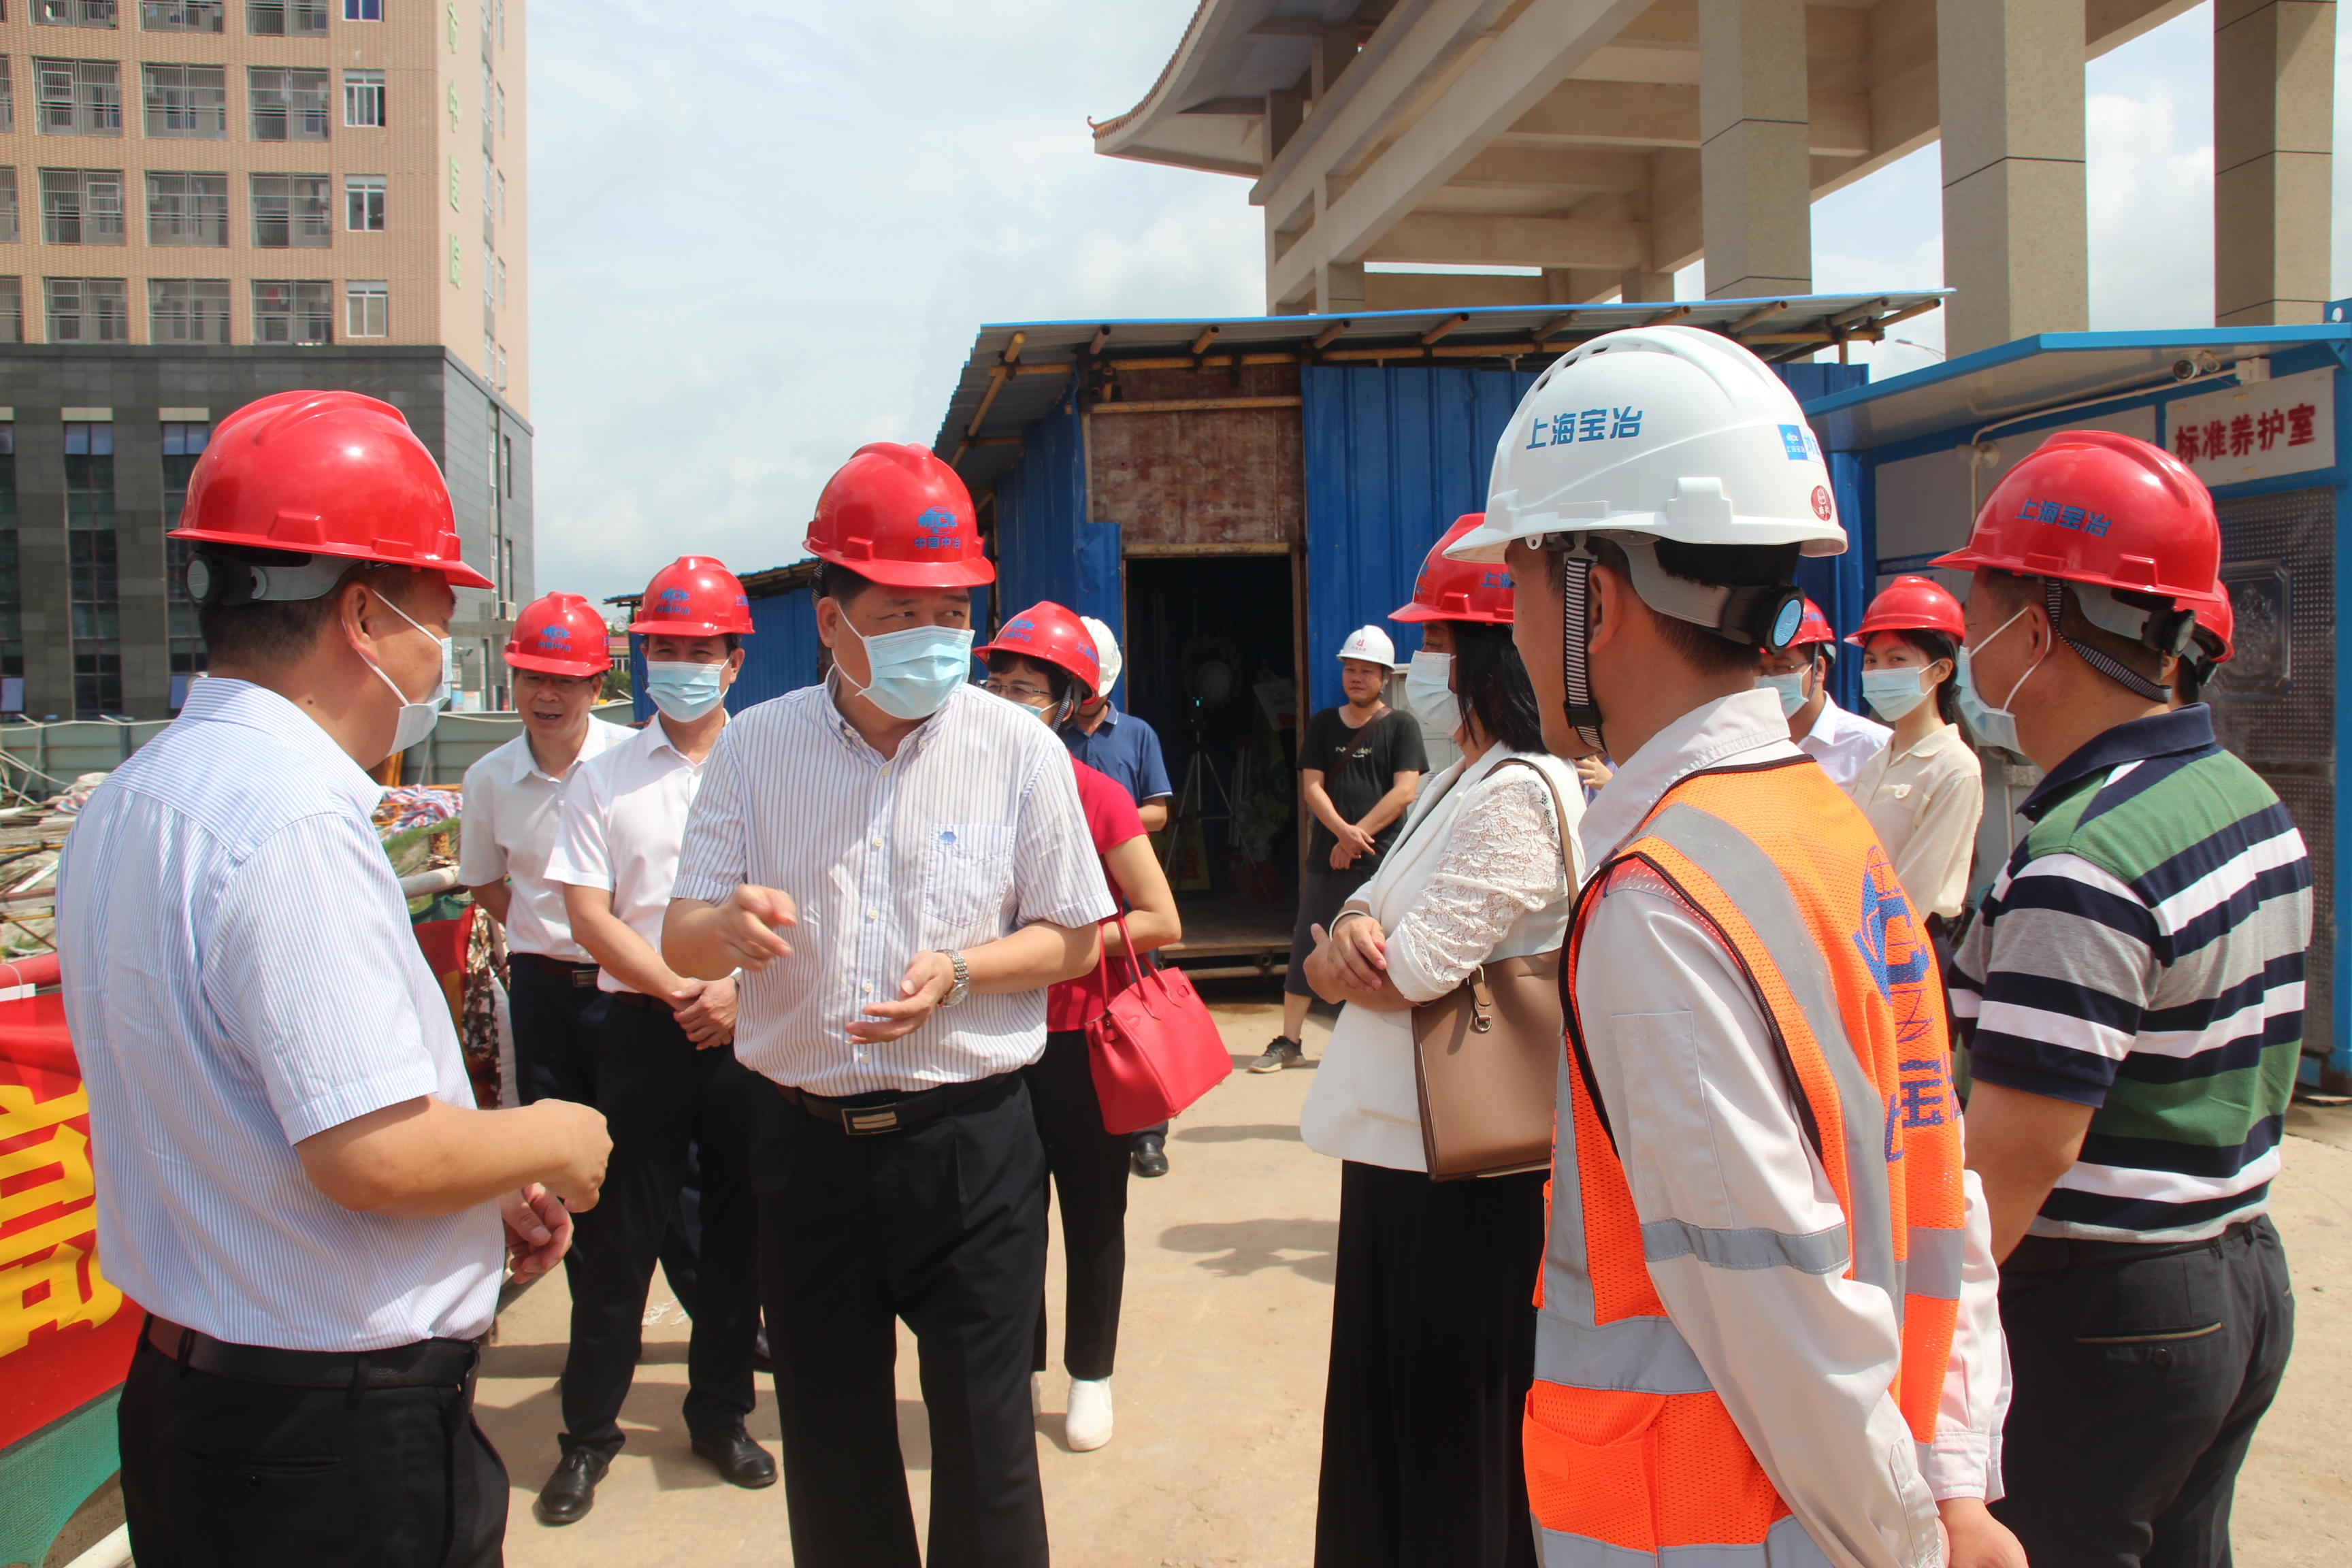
(416, 719)
(1892, 693)
(1993, 726)
(1429, 693)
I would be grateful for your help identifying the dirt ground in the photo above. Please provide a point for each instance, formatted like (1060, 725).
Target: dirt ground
(1219, 1383)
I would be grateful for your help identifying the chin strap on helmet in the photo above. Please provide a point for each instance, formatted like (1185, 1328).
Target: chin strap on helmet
(2054, 600)
(1575, 638)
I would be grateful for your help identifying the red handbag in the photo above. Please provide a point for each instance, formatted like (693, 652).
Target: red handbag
(1154, 1050)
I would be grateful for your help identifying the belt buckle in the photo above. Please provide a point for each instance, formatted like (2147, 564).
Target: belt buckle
(583, 979)
(862, 1123)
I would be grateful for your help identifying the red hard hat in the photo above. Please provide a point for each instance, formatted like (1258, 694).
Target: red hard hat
(560, 633)
(693, 596)
(1912, 605)
(893, 513)
(1051, 635)
(1458, 590)
(1814, 628)
(2093, 507)
(325, 473)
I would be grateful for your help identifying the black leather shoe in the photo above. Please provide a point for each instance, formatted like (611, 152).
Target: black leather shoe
(571, 1492)
(1151, 1154)
(736, 1458)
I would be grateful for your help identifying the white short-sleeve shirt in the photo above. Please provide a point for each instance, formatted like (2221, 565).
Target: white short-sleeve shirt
(240, 974)
(624, 813)
(511, 813)
(1842, 742)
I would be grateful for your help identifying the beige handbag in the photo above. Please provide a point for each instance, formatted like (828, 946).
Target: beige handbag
(1486, 1058)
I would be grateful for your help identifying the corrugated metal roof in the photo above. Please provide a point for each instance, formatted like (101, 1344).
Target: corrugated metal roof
(1017, 371)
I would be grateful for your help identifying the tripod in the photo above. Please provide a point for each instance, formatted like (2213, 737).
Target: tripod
(1192, 803)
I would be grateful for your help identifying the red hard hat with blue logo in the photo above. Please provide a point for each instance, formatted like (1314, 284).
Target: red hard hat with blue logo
(1458, 590)
(1051, 635)
(893, 513)
(560, 633)
(694, 596)
(1911, 604)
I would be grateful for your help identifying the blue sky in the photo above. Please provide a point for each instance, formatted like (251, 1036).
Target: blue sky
(763, 231)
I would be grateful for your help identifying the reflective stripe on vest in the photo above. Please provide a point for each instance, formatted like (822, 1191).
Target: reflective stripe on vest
(1631, 1458)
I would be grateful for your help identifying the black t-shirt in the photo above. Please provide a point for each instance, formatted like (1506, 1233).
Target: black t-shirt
(1359, 766)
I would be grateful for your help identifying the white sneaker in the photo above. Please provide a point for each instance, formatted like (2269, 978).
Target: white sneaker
(1088, 1425)
(1036, 1393)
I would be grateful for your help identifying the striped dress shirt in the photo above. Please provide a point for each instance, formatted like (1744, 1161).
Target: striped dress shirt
(971, 832)
(240, 974)
(2142, 953)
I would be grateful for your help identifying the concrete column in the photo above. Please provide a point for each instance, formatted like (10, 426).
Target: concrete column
(2009, 77)
(1636, 284)
(1754, 172)
(1339, 288)
(2273, 111)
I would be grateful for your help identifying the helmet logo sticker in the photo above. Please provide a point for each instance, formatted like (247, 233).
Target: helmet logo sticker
(937, 528)
(677, 597)
(1591, 425)
(2094, 523)
(1822, 506)
(1799, 444)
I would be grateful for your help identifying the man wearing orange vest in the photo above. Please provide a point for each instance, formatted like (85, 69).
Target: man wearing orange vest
(1767, 1329)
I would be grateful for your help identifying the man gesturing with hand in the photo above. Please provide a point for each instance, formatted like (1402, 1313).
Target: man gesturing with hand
(897, 863)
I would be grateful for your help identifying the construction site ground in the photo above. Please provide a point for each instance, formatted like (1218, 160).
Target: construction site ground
(1221, 1368)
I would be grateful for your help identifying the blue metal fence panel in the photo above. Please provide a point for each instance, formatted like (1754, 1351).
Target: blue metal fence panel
(1392, 457)
(1046, 547)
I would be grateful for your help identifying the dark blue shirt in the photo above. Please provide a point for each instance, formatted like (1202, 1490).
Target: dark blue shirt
(1124, 747)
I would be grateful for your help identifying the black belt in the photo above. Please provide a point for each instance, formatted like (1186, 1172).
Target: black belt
(581, 975)
(640, 1001)
(2048, 1254)
(862, 1115)
(427, 1364)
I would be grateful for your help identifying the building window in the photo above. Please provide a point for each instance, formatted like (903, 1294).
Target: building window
(12, 309)
(73, 13)
(183, 444)
(281, 19)
(367, 309)
(502, 194)
(81, 206)
(188, 209)
(8, 97)
(187, 310)
(363, 197)
(489, 110)
(363, 98)
(79, 98)
(287, 105)
(489, 195)
(293, 211)
(8, 230)
(181, 15)
(502, 110)
(187, 101)
(87, 311)
(11, 602)
(363, 10)
(95, 598)
(293, 312)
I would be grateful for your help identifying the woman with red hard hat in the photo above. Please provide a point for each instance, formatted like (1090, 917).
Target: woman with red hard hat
(1432, 1335)
(1045, 660)
(900, 866)
(2135, 977)
(1924, 790)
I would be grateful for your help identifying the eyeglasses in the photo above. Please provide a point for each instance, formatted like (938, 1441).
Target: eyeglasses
(1027, 696)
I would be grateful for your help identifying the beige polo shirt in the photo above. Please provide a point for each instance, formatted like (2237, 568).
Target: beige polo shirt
(1925, 802)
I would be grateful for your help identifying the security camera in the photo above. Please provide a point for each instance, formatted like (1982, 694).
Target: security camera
(2189, 367)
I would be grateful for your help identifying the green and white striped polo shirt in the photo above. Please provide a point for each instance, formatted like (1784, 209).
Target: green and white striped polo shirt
(2143, 953)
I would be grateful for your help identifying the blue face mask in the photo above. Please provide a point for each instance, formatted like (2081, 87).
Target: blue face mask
(684, 691)
(914, 672)
(1992, 726)
(1892, 693)
(1792, 689)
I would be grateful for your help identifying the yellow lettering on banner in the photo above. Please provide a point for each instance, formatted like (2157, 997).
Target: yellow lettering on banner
(45, 1278)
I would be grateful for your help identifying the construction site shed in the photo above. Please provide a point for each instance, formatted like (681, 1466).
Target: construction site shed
(2257, 413)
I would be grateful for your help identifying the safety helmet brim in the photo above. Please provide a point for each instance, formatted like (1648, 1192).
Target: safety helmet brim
(976, 574)
(1419, 612)
(1966, 559)
(454, 572)
(1489, 542)
(542, 665)
(686, 629)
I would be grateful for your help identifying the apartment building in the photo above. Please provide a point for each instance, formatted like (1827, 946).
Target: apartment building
(203, 201)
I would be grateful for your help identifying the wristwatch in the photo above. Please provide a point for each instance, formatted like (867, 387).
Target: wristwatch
(963, 986)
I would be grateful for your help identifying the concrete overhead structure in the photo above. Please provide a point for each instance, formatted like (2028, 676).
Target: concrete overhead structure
(1612, 142)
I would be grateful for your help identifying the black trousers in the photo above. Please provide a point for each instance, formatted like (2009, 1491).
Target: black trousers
(943, 1225)
(1321, 894)
(222, 1474)
(1432, 1350)
(662, 1101)
(1090, 1167)
(2139, 1385)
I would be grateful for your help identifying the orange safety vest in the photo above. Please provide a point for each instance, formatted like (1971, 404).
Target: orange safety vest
(1629, 1452)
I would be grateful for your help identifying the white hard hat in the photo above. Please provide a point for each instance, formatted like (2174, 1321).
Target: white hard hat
(1369, 644)
(1668, 431)
(1107, 647)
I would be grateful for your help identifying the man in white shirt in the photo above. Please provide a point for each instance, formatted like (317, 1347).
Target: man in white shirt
(292, 1177)
(898, 863)
(666, 1079)
(1800, 676)
(559, 652)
